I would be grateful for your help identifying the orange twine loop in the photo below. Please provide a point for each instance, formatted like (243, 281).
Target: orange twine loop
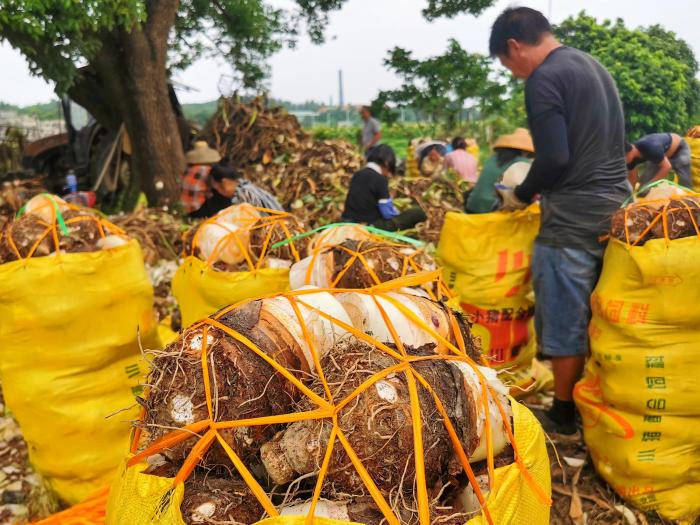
(408, 264)
(661, 216)
(207, 431)
(104, 228)
(268, 219)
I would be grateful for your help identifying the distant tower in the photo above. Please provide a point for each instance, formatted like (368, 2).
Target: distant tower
(341, 98)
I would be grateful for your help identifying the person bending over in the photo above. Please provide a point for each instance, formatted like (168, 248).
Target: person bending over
(663, 152)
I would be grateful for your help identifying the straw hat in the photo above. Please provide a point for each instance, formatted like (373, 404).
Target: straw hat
(202, 154)
(519, 139)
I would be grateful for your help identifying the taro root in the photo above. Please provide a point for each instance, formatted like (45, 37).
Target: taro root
(338, 235)
(364, 510)
(211, 499)
(243, 385)
(84, 231)
(378, 424)
(284, 252)
(680, 215)
(44, 207)
(340, 266)
(628, 224)
(235, 238)
(24, 233)
(366, 315)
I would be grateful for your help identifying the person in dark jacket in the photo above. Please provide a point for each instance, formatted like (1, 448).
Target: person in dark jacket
(368, 200)
(228, 187)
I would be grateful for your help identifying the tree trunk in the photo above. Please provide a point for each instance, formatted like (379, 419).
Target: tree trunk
(127, 83)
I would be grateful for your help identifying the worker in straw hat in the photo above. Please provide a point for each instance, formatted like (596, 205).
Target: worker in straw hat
(195, 182)
(509, 165)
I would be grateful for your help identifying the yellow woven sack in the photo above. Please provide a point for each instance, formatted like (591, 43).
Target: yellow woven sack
(473, 149)
(135, 498)
(411, 163)
(70, 357)
(201, 290)
(694, 144)
(639, 395)
(486, 260)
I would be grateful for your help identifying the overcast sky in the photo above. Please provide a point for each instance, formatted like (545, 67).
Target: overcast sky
(358, 38)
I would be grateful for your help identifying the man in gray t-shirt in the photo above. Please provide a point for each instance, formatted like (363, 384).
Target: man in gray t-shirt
(575, 117)
(371, 131)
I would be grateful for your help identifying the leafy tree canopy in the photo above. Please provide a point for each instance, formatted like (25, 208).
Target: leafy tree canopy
(655, 71)
(449, 8)
(57, 37)
(438, 86)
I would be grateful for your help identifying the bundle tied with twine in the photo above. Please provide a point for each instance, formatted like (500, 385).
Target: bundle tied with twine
(244, 386)
(49, 226)
(246, 238)
(347, 255)
(667, 211)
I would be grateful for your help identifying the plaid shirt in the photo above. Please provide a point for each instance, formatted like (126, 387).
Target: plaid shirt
(195, 186)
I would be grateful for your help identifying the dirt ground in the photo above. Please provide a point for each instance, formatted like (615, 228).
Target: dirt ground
(23, 494)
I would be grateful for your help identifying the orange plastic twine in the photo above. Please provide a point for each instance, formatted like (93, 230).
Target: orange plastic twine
(92, 511)
(661, 216)
(207, 431)
(269, 222)
(408, 263)
(59, 226)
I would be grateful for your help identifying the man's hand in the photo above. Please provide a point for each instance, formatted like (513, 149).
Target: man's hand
(510, 201)
(664, 168)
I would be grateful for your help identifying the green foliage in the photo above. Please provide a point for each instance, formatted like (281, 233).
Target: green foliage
(58, 35)
(450, 8)
(655, 71)
(200, 112)
(46, 111)
(55, 35)
(438, 86)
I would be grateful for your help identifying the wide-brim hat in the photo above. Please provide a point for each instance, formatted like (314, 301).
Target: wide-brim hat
(201, 153)
(519, 139)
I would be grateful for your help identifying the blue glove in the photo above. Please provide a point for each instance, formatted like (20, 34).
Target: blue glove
(387, 208)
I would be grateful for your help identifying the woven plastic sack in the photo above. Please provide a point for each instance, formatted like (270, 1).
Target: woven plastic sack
(486, 260)
(411, 162)
(200, 290)
(135, 497)
(70, 357)
(694, 144)
(639, 395)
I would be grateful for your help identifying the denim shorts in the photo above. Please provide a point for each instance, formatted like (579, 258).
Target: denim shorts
(563, 279)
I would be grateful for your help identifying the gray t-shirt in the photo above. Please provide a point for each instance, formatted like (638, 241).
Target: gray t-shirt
(577, 207)
(370, 129)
